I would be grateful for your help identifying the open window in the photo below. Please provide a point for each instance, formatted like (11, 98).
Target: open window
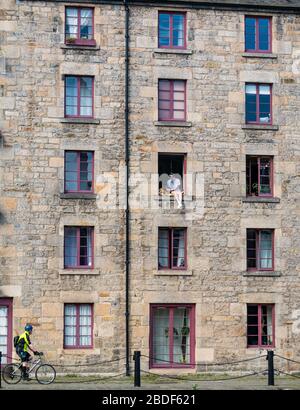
(259, 176)
(171, 164)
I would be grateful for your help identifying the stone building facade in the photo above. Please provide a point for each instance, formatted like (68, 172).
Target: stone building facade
(215, 290)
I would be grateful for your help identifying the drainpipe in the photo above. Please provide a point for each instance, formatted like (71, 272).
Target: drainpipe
(127, 249)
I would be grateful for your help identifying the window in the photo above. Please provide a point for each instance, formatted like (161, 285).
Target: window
(171, 30)
(79, 167)
(79, 92)
(78, 248)
(171, 100)
(78, 326)
(260, 326)
(172, 248)
(172, 335)
(79, 28)
(259, 176)
(258, 34)
(258, 103)
(260, 249)
(6, 328)
(171, 164)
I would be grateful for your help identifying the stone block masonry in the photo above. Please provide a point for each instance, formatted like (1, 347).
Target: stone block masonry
(33, 211)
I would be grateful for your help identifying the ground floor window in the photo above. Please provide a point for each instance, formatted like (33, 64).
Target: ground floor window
(172, 329)
(6, 328)
(78, 326)
(260, 325)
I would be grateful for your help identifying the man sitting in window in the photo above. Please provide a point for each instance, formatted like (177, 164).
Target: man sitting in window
(174, 188)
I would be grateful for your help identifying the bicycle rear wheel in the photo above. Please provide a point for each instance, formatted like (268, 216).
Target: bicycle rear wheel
(45, 374)
(11, 373)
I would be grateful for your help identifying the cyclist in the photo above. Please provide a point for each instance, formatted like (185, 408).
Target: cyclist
(22, 350)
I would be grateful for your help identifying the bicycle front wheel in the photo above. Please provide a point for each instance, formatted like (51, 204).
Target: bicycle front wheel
(12, 373)
(45, 374)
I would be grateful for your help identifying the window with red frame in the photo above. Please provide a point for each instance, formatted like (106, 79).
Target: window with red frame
(78, 247)
(172, 330)
(260, 325)
(258, 34)
(172, 30)
(260, 249)
(259, 176)
(259, 104)
(78, 326)
(6, 329)
(172, 248)
(171, 164)
(79, 96)
(79, 171)
(79, 28)
(172, 100)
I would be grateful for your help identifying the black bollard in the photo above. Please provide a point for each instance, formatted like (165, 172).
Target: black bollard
(137, 368)
(270, 358)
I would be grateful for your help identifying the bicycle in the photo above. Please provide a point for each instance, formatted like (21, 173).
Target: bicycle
(44, 372)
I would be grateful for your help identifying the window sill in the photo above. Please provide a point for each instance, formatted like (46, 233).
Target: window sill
(260, 55)
(77, 350)
(79, 47)
(79, 195)
(259, 273)
(260, 127)
(79, 271)
(172, 124)
(257, 199)
(170, 272)
(172, 51)
(79, 121)
(170, 198)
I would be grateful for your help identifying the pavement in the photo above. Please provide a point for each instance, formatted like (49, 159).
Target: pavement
(126, 383)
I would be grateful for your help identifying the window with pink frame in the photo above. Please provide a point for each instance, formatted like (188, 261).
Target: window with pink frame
(79, 96)
(172, 335)
(259, 176)
(171, 30)
(258, 34)
(78, 247)
(79, 26)
(172, 100)
(259, 104)
(260, 325)
(78, 326)
(260, 249)
(79, 170)
(6, 329)
(172, 248)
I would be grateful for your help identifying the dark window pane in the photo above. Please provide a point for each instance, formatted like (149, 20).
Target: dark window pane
(252, 330)
(252, 340)
(251, 107)
(86, 186)
(252, 310)
(251, 234)
(250, 24)
(264, 34)
(252, 320)
(164, 30)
